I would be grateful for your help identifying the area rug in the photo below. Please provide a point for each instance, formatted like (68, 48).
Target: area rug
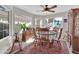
(32, 49)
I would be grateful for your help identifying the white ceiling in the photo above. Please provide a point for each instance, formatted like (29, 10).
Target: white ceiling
(36, 9)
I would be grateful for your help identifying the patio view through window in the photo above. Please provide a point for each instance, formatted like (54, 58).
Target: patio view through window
(56, 23)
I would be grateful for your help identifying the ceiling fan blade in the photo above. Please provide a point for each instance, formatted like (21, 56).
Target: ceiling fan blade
(51, 11)
(53, 7)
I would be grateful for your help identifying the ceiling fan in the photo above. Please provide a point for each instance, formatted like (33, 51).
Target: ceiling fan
(47, 8)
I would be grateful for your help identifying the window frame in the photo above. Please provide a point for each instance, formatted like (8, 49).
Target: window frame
(8, 25)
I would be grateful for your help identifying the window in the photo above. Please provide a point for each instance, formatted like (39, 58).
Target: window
(56, 22)
(22, 20)
(4, 24)
(44, 22)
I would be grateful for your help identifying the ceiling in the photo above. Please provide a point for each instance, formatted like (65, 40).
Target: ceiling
(36, 9)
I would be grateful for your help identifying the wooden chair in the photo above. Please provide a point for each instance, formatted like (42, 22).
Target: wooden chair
(69, 37)
(44, 36)
(58, 38)
(35, 36)
(39, 40)
(43, 32)
(16, 40)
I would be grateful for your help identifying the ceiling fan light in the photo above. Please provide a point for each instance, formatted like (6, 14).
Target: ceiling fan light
(45, 12)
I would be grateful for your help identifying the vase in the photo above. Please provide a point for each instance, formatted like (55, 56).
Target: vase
(24, 36)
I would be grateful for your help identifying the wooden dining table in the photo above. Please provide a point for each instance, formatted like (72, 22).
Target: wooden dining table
(54, 33)
(51, 33)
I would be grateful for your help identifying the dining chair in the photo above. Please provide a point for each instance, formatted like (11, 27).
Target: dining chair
(39, 41)
(43, 33)
(69, 37)
(16, 40)
(58, 38)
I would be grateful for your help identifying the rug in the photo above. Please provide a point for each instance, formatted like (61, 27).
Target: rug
(32, 49)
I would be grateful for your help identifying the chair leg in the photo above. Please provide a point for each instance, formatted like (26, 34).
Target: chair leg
(70, 44)
(12, 47)
(59, 44)
(52, 42)
(20, 46)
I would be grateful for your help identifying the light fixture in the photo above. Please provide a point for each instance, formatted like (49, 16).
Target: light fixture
(45, 12)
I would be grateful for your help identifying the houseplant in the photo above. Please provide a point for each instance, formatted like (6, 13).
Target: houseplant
(24, 28)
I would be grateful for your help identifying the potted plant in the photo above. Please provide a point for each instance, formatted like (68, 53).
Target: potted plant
(23, 27)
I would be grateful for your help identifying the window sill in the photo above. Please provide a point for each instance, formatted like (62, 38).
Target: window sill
(4, 38)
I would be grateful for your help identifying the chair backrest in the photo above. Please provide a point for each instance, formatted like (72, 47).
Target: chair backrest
(34, 32)
(60, 32)
(43, 30)
(16, 37)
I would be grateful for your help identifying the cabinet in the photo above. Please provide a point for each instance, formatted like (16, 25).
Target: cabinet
(74, 29)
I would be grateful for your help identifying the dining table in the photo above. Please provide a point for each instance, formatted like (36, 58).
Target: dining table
(52, 35)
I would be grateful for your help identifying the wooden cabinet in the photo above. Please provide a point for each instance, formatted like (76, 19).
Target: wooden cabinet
(74, 29)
